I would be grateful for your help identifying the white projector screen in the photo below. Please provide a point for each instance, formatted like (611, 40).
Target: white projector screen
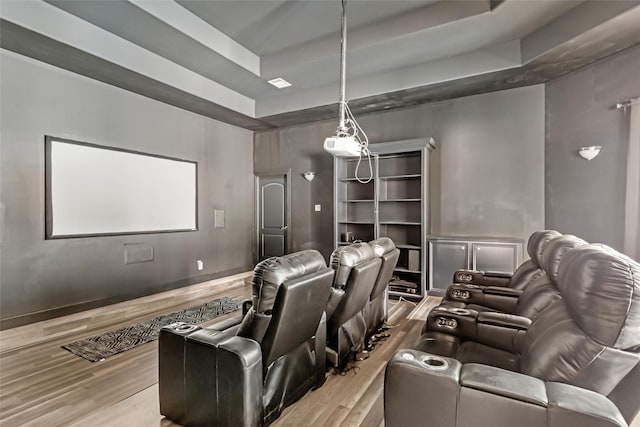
(95, 191)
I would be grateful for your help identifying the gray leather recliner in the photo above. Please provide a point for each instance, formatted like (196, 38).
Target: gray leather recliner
(578, 363)
(356, 267)
(528, 302)
(524, 274)
(375, 311)
(245, 375)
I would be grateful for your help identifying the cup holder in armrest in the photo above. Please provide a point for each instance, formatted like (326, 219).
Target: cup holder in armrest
(436, 363)
(453, 310)
(183, 327)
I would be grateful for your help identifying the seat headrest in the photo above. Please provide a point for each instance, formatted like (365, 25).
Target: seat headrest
(537, 241)
(382, 245)
(601, 289)
(344, 258)
(269, 274)
(554, 252)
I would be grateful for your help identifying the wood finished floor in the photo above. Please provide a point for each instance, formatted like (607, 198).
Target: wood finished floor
(43, 385)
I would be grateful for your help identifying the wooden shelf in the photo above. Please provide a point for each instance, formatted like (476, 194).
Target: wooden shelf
(405, 294)
(408, 176)
(401, 246)
(399, 223)
(406, 270)
(356, 180)
(394, 204)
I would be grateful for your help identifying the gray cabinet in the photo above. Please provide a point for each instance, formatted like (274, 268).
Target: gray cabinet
(448, 254)
(393, 204)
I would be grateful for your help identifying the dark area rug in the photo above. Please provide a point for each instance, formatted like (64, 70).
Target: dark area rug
(102, 346)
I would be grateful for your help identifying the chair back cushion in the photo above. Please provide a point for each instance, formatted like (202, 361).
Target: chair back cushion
(296, 313)
(389, 254)
(268, 276)
(591, 336)
(530, 270)
(543, 291)
(344, 258)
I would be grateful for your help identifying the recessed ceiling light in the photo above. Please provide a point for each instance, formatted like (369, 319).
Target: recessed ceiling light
(280, 83)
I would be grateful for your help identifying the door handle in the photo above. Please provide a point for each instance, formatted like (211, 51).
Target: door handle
(284, 228)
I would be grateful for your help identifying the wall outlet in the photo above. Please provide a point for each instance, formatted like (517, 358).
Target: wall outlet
(200, 264)
(318, 208)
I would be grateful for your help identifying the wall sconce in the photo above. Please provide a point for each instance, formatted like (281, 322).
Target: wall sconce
(309, 175)
(589, 153)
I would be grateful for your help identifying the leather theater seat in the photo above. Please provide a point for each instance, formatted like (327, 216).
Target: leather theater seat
(528, 302)
(356, 267)
(245, 375)
(375, 311)
(523, 275)
(577, 364)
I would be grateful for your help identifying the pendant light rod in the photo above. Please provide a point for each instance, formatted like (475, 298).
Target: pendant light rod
(343, 68)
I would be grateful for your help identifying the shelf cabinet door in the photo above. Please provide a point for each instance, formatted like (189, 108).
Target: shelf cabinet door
(495, 256)
(445, 257)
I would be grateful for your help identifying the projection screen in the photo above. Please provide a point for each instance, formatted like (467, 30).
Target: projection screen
(92, 190)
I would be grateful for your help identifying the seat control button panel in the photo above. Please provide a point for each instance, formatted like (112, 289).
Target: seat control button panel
(461, 293)
(447, 322)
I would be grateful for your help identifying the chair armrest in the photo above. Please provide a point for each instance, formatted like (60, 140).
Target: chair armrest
(171, 345)
(484, 278)
(454, 394)
(501, 330)
(494, 297)
(223, 380)
(465, 293)
(460, 322)
(503, 319)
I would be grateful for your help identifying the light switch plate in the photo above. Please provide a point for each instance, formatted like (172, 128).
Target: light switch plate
(218, 218)
(318, 208)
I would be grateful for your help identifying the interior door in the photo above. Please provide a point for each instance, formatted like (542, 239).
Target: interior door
(272, 216)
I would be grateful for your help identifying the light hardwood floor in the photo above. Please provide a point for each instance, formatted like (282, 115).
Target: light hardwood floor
(42, 384)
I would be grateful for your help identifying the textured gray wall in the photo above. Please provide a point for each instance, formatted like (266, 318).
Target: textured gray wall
(38, 274)
(487, 172)
(587, 198)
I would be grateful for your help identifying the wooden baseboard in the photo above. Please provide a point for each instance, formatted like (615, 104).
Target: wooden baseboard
(25, 319)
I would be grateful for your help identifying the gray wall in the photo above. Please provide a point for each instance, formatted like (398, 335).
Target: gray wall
(587, 198)
(40, 275)
(487, 172)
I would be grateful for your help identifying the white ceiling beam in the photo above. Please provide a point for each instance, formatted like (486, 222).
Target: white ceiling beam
(56, 24)
(495, 58)
(398, 27)
(193, 26)
(576, 21)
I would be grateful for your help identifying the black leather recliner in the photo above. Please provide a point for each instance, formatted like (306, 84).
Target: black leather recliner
(375, 311)
(578, 364)
(528, 302)
(356, 267)
(527, 271)
(245, 375)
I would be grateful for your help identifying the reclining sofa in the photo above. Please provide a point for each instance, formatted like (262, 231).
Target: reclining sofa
(244, 373)
(577, 363)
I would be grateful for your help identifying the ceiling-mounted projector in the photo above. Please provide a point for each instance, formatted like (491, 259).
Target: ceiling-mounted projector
(342, 146)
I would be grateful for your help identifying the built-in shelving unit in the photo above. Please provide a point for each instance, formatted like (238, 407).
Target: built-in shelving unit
(394, 203)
